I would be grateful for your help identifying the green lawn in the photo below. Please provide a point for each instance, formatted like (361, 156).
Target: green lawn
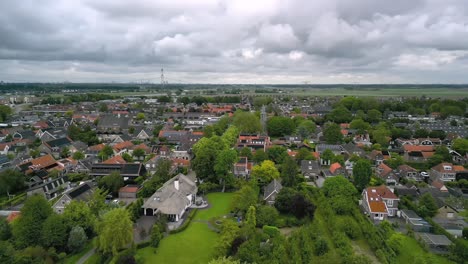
(411, 252)
(196, 243)
(219, 205)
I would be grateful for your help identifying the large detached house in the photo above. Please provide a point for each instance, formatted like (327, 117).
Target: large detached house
(379, 202)
(172, 199)
(446, 172)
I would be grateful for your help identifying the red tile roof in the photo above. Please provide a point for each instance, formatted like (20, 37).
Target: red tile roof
(378, 207)
(335, 166)
(129, 189)
(115, 160)
(412, 148)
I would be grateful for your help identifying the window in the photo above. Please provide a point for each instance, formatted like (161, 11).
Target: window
(390, 202)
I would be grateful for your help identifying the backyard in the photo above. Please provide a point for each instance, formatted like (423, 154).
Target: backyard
(196, 243)
(412, 252)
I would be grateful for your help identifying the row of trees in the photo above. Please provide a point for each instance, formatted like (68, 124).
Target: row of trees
(39, 229)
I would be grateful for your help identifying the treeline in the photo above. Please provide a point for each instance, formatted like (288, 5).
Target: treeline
(76, 98)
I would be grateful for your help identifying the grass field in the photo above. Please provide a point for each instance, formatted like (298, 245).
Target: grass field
(219, 205)
(411, 252)
(196, 243)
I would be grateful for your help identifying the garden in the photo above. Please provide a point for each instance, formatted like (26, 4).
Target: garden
(194, 244)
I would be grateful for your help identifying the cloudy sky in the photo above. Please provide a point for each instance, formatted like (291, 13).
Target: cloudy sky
(228, 41)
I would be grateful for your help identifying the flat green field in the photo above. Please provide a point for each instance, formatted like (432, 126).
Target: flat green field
(384, 92)
(196, 244)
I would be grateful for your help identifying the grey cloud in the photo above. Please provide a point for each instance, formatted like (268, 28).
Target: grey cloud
(202, 41)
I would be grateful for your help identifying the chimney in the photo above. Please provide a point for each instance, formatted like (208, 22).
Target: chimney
(176, 184)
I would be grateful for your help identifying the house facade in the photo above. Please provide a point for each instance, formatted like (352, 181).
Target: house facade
(379, 203)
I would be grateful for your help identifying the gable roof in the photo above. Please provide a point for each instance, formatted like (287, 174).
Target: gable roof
(334, 167)
(272, 187)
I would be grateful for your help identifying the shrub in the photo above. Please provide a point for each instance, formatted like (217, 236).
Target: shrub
(185, 224)
(156, 236)
(272, 231)
(320, 247)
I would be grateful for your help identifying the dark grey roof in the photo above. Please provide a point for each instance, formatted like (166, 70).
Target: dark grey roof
(322, 147)
(274, 186)
(59, 142)
(81, 193)
(435, 240)
(115, 122)
(411, 214)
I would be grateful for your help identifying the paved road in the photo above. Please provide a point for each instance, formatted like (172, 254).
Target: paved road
(84, 258)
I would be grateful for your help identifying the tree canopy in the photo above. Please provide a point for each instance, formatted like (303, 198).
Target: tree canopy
(115, 231)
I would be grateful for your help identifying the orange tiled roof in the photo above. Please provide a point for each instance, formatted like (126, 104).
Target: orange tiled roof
(335, 166)
(378, 207)
(115, 160)
(413, 148)
(43, 161)
(123, 145)
(98, 147)
(14, 215)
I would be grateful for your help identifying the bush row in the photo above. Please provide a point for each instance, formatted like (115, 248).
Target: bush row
(186, 222)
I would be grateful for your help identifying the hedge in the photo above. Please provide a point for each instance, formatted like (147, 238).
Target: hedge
(186, 222)
(16, 200)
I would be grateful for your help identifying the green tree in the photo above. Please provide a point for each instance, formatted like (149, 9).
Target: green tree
(140, 116)
(340, 115)
(5, 112)
(78, 155)
(5, 229)
(289, 172)
(79, 214)
(362, 172)
(460, 145)
(321, 246)
(206, 151)
(265, 172)
(267, 215)
(138, 153)
(127, 157)
(277, 153)
(115, 231)
(336, 186)
(250, 218)
(306, 128)
(247, 122)
(360, 125)
(228, 232)
(224, 260)
(427, 205)
(244, 198)
(54, 232)
(327, 155)
(77, 239)
(112, 182)
(27, 229)
(7, 252)
(106, 152)
(374, 115)
(332, 133)
(223, 165)
(304, 154)
(246, 152)
(103, 107)
(278, 126)
(381, 136)
(11, 181)
(259, 156)
(156, 236)
(163, 170)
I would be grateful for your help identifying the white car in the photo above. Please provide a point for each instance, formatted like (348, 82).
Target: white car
(424, 174)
